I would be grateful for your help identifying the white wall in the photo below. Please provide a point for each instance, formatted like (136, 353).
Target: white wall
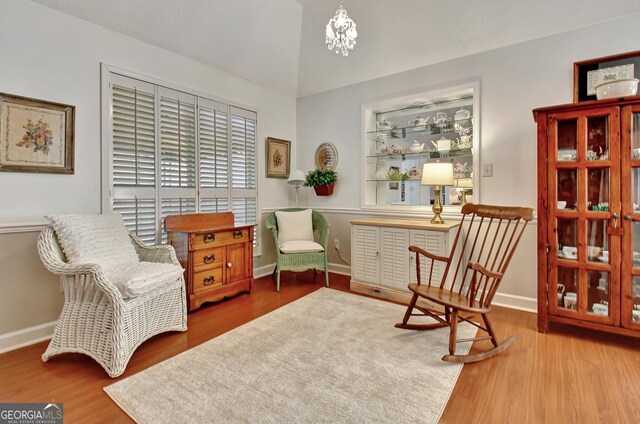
(514, 80)
(49, 55)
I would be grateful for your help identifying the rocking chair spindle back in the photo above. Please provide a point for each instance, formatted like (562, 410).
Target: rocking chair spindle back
(483, 248)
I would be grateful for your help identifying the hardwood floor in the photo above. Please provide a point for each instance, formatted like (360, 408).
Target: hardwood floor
(566, 375)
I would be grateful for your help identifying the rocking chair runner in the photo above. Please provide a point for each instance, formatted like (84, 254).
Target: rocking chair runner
(489, 236)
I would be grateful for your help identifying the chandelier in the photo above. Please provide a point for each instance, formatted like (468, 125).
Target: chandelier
(341, 32)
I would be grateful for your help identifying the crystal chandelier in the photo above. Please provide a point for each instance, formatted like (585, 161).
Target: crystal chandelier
(341, 32)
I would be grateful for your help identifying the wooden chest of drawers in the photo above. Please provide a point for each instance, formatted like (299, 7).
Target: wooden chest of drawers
(216, 255)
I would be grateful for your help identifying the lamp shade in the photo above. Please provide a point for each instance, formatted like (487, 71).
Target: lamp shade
(437, 174)
(297, 177)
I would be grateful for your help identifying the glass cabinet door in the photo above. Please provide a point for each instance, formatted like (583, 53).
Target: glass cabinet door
(584, 161)
(630, 187)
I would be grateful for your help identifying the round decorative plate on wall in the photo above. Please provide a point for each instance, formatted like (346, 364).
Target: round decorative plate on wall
(326, 156)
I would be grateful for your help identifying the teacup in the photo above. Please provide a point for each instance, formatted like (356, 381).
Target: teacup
(570, 252)
(571, 300)
(593, 251)
(635, 316)
(560, 293)
(562, 204)
(635, 153)
(600, 309)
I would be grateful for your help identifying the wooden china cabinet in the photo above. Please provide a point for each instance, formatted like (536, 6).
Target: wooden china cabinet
(589, 215)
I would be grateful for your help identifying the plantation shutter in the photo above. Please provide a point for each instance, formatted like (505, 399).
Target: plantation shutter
(244, 194)
(133, 158)
(177, 154)
(170, 152)
(213, 142)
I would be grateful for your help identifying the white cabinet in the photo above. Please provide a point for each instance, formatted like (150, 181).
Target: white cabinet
(364, 245)
(394, 258)
(381, 262)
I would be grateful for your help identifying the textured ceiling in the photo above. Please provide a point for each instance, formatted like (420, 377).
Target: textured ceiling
(273, 43)
(254, 40)
(398, 35)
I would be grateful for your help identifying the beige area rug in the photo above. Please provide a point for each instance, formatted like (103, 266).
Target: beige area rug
(329, 357)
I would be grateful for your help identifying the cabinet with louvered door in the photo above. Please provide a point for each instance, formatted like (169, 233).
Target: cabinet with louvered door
(364, 253)
(394, 257)
(380, 249)
(433, 242)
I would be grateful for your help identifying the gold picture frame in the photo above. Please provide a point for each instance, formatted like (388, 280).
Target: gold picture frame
(278, 158)
(36, 135)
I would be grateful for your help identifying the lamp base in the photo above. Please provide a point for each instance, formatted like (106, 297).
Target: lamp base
(437, 207)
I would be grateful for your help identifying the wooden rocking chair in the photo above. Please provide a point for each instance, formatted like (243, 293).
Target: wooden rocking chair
(484, 245)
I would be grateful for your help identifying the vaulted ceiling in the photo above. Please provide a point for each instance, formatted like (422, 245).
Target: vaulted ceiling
(280, 43)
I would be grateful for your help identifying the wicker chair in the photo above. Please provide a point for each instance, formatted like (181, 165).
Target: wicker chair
(96, 320)
(297, 261)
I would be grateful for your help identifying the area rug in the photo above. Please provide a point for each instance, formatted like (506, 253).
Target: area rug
(329, 357)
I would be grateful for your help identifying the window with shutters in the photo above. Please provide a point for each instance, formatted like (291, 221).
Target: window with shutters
(172, 152)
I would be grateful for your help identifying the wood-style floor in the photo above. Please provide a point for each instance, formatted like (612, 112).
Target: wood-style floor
(565, 376)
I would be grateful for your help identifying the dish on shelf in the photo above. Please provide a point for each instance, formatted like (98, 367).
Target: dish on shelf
(414, 173)
(566, 155)
(387, 125)
(619, 88)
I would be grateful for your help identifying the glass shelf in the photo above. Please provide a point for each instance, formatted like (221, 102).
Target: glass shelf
(400, 132)
(394, 181)
(432, 154)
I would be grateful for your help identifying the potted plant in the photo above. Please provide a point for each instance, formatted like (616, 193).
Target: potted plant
(322, 181)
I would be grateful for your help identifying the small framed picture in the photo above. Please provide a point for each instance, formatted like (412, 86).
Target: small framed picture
(278, 158)
(588, 74)
(36, 135)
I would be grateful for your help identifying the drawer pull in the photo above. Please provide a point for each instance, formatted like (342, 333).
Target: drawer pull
(237, 234)
(208, 280)
(208, 259)
(208, 238)
(228, 264)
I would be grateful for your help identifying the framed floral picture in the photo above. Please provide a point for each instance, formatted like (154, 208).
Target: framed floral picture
(36, 135)
(278, 158)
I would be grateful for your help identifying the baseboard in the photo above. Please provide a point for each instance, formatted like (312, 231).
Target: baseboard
(268, 269)
(26, 336)
(521, 303)
(340, 269)
(263, 270)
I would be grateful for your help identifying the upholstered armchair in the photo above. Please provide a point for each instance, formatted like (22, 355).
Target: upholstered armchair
(112, 307)
(294, 232)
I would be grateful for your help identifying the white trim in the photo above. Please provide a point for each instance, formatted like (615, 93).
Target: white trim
(22, 227)
(521, 303)
(385, 213)
(26, 336)
(264, 270)
(512, 301)
(340, 269)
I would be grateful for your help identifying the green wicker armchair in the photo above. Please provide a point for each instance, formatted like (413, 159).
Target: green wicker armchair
(306, 260)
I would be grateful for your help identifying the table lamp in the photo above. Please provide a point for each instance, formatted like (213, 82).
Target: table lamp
(297, 179)
(437, 174)
(464, 186)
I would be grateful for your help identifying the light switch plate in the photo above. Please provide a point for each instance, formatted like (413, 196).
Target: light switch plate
(487, 170)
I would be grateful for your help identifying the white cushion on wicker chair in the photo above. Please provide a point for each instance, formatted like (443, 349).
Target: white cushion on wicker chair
(136, 279)
(294, 226)
(300, 246)
(94, 239)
